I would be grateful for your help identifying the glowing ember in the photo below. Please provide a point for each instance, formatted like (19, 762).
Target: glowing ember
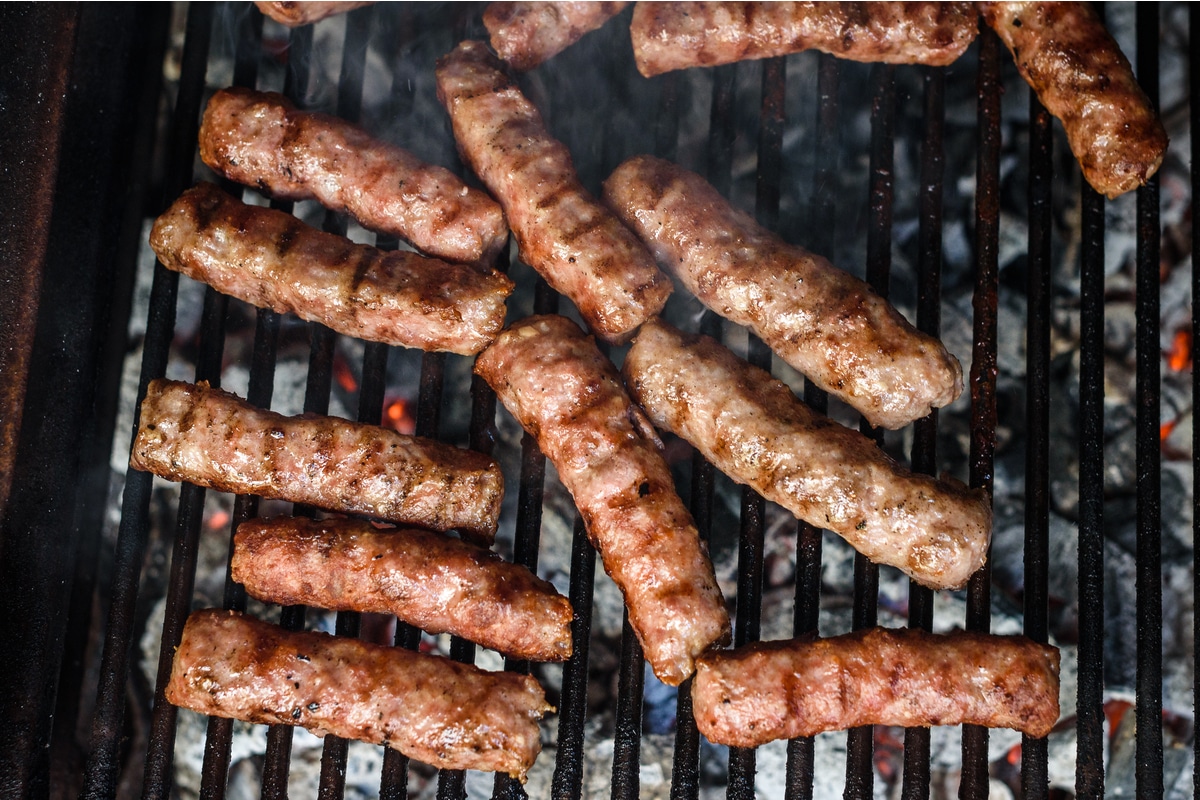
(398, 416)
(1166, 429)
(1179, 357)
(344, 375)
(218, 520)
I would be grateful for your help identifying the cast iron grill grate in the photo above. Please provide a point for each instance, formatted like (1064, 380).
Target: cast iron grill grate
(741, 128)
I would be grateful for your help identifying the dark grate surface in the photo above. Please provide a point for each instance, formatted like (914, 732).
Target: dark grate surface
(810, 144)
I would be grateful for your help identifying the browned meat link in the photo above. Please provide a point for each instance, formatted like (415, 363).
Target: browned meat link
(260, 139)
(824, 322)
(272, 260)
(560, 387)
(752, 428)
(1081, 76)
(528, 33)
(195, 433)
(432, 581)
(907, 678)
(670, 36)
(433, 709)
(294, 13)
(572, 240)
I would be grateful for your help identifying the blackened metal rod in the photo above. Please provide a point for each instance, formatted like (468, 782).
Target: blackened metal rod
(214, 773)
(1035, 781)
(1149, 748)
(914, 783)
(104, 761)
(1194, 125)
(1089, 764)
(628, 733)
(160, 754)
(860, 771)
(685, 771)
(527, 540)
(747, 625)
(983, 367)
(277, 758)
(801, 751)
(332, 782)
(567, 781)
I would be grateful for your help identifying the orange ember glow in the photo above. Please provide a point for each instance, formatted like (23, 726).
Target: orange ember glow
(1166, 429)
(398, 416)
(1179, 357)
(344, 376)
(218, 520)
(1014, 755)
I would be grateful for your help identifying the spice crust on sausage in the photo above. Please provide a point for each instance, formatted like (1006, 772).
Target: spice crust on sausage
(754, 429)
(1081, 76)
(671, 36)
(433, 709)
(195, 433)
(562, 389)
(272, 260)
(435, 582)
(564, 233)
(878, 676)
(822, 321)
(260, 139)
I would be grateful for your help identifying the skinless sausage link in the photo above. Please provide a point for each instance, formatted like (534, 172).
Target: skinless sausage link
(559, 386)
(195, 433)
(260, 139)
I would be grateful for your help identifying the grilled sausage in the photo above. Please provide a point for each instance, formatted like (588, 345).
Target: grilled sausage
(194, 433)
(527, 33)
(260, 139)
(785, 689)
(294, 13)
(272, 260)
(432, 581)
(1081, 76)
(563, 391)
(433, 709)
(826, 323)
(752, 428)
(576, 244)
(670, 36)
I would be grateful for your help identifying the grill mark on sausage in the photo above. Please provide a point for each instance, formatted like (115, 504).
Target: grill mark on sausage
(272, 260)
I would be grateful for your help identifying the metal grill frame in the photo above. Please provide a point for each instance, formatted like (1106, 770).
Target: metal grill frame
(105, 757)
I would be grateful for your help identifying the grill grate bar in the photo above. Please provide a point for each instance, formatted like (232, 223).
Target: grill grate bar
(107, 727)
(1035, 780)
(567, 783)
(915, 778)
(1194, 120)
(1149, 771)
(801, 752)
(1089, 773)
(984, 367)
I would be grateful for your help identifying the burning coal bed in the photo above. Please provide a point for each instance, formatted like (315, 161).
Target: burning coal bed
(425, 130)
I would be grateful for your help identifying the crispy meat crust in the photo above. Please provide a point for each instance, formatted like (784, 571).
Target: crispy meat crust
(909, 678)
(439, 584)
(563, 391)
(572, 240)
(526, 34)
(194, 433)
(294, 14)
(272, 260)
(752, 428)
(670, 36)
(1081, 76)
(433, 709)
(260, 139)
(826, 323)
